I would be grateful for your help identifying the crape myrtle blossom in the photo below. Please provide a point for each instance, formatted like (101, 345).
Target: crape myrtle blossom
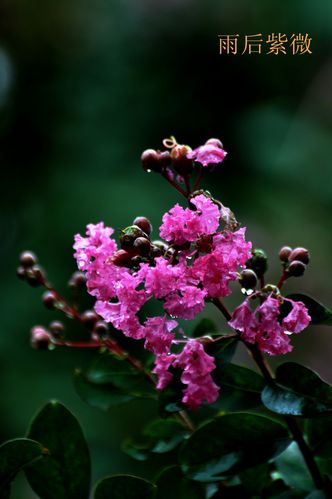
(264, 328)
(208, 154)
(182, 280)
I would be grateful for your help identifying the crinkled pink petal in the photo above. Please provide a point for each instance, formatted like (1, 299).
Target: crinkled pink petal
(207, 154)
(298, 318)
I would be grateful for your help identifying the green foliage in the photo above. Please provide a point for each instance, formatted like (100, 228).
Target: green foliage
(65, 472)
(230, 444)
(240, 388)
(160, 436)
(15, 455)
(292, 468)
(172, 482)
(124, 487)
(205, 327)
(319, 433)
(111, 381)
(298, 391)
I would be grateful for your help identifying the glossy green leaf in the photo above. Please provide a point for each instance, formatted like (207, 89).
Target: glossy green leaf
(231, 444)
(318, 312)
(223, 350)
(240, 388)
(124, 487)
(15, 455)
(65, 472)
(99, 396)
(172, 483)
(293, 469)
(169, 400)
(298, 391)
(319, 434)
(205, 327)
(161, 435)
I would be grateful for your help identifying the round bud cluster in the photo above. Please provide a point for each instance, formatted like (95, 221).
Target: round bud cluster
(57, 329)
(50, 299)
(295, 261)
(136, 245)
(29, 271)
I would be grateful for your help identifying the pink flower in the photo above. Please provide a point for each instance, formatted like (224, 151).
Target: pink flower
(207, 154)
(263, 327)
(197, 366)
(181, 225)
(162, 363)
(298, 318)
(187, 303)
(158, 335)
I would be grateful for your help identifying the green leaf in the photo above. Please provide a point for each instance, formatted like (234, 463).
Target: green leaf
(205, 327)
(231, 444)
(169, 400)
(293, 469)
(14, 456)
(319, 434)
(172, 483)
(298, 391)
(161, 435)
(65, 472)
(318, 312)
(124, 487)
(222, 350)
(240, 388)
(99, 396)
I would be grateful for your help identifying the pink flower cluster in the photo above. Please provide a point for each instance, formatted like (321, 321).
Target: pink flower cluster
(208, 154)
(264, 328)
(182, 281)
(197, 366)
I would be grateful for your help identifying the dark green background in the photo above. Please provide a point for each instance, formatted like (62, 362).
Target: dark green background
(85, 86)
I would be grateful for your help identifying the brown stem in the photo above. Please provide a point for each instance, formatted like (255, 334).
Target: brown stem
(176, 186)
(282, 279)
(198, 179)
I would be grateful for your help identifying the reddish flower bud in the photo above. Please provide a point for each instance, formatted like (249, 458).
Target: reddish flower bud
(101, 328)
(155, 161)
(27, 259)
(56, 328)
(296, 268)
(40, 338)
(284, 253)
(77, 280)
(128, 236)
(181, 163)
(142, 246)
(89, 318)
(121, 258)
(21, 273)
(248, 279)
(35, 276)
(300, 254)
(144, 224)
(49, 299)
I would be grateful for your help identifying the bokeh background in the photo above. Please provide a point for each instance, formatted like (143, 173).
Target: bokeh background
(85, 86)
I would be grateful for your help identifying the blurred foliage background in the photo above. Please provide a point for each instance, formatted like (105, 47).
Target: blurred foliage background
(85, 86)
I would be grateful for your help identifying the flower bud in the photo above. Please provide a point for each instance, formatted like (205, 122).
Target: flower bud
(28, 259)
(128, 236)
(258, 262)
(56, 328)
(35, 276)
(296, 268)
(144, 224)
(181, 163)
(101, 328)
(40, 338)
(121, 258)
(215, 142)
(248, 279)
(21, 273)
(49, 299)
(271, 288)
(77, 280)
(89, 318)
(155, 161)
(142, 246)
(300, 254)
(284, 253)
